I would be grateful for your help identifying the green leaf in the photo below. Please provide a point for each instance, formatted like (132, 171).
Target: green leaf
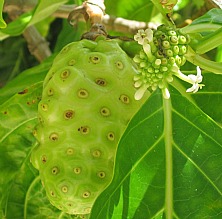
(29, 77)
(43, 10)
(168, 164)
(69, 34)
(209, 22)
(2, 22)
(18, 116)
(209, 98)
(135, 10)
(213, 16)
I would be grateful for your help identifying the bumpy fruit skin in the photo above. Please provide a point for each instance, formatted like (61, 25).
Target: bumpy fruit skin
(87, 102)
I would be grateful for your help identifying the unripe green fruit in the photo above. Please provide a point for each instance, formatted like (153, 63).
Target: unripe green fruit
(170, 43)
(87, 102)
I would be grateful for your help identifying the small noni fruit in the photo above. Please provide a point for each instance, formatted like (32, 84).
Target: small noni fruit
(87, 102)
(163, 53)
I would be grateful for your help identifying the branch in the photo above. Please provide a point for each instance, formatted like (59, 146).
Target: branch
(117, 24)
(37, 45)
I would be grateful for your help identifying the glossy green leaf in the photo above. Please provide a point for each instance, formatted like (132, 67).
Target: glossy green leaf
(168, 165)
(134, 10)
(29, 77)
(213, 16)
(2, 22)
(18, 116)
(209, 98)
(209, 22)
(43, 10)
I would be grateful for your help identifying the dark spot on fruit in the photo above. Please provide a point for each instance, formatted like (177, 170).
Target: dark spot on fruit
(71, 62)
(52, 193)
(60, 207)
(70, 151)
(101, 82)
(5, 112)
(87, 211)
(119, 65)
(44, 159)
(68, 114)
(104, 111)
(40, 119)
(34, 132)
(96, 153)
(44, 107)
(50, 92)
(53, 137)
(111, 136)
(64, 189)
(65, 74)
(77, 170)
(69, 204)
(82, 93)
(124, 99)
(55, 170)
(94, 59)
(86, 194)
(84, 130)
(23, 92)
(101, 174)
(64, 50)
(50, 78)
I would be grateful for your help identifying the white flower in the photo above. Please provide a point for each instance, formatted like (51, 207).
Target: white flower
(144, 36)
(195, 80)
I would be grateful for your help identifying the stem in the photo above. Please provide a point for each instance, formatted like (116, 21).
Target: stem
(169, 158)
(211, 66)
(37, 45)
(209, 42)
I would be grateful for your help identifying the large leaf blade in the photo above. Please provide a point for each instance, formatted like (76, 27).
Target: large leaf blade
(139, 187)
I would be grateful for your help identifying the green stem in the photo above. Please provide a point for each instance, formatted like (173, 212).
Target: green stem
(169, 158)
(211, 66)
(209, 42)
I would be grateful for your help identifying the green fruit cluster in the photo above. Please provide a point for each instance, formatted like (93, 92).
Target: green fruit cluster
(87, 102)
(171, 45)
(167, 49)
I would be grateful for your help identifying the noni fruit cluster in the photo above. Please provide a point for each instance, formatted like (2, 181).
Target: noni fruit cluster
(87, 102)
(163, 53)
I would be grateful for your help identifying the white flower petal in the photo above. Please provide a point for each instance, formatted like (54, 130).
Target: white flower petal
(149, 34)
(138, 83)
(193, 78)
(198, 71)
(140, 92)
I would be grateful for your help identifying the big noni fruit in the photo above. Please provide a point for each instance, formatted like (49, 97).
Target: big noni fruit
(87, 102)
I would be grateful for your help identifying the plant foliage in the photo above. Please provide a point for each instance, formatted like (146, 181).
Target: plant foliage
(169, 160)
